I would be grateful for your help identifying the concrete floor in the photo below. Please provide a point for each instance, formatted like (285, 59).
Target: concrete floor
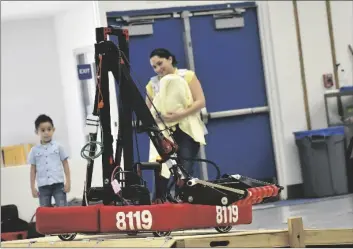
(321, 213)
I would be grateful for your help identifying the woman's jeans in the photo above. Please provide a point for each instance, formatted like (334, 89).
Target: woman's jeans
(187, 148)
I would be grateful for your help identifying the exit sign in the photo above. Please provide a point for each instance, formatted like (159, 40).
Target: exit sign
(84, 71)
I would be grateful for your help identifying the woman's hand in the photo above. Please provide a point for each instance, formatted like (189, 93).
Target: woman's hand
(173, 116)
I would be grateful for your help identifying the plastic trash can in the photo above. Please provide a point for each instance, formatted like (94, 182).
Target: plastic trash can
(323, 162)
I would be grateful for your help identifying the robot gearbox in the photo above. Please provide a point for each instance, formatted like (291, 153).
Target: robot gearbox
(123, 203)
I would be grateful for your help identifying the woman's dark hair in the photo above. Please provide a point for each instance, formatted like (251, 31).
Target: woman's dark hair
(164, 53)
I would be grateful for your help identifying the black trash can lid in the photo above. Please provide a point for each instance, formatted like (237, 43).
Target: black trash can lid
(336, 130)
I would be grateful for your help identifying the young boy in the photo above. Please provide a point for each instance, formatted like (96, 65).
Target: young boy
(49, 164)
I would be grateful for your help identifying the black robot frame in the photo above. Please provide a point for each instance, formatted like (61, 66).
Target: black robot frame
(223, 190)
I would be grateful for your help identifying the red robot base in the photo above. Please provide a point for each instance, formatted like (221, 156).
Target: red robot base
(161, 219)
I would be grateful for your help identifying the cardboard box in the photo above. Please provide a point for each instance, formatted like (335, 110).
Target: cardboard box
(15, 155)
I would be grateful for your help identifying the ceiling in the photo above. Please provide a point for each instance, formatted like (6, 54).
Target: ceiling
(17, 10)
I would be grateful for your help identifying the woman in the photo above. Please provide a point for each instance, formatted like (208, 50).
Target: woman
(164, 63)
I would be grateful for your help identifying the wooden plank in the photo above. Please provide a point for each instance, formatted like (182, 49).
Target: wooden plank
(255, 239)
(139, 243)
(277, 238)
(329, 237)
(252, 239)
(45, 244)
(54, 239)
(106, 236)
(296, 233)
(131, 243)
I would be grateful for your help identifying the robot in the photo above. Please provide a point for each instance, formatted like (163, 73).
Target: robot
(124, 200)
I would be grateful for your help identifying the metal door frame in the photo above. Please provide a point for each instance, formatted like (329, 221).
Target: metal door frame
(270, 74)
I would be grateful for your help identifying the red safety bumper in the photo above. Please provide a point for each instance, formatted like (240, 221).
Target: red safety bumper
(159, 217)
(169, 217)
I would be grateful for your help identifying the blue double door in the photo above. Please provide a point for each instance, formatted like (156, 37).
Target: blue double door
(229, 66)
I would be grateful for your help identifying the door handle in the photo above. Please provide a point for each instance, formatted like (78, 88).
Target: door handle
(237, 112)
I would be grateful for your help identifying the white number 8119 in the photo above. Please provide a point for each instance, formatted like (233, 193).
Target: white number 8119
(142, 219)
(227, 214)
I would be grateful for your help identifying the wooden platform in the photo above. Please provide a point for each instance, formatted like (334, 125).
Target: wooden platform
(294, 236)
